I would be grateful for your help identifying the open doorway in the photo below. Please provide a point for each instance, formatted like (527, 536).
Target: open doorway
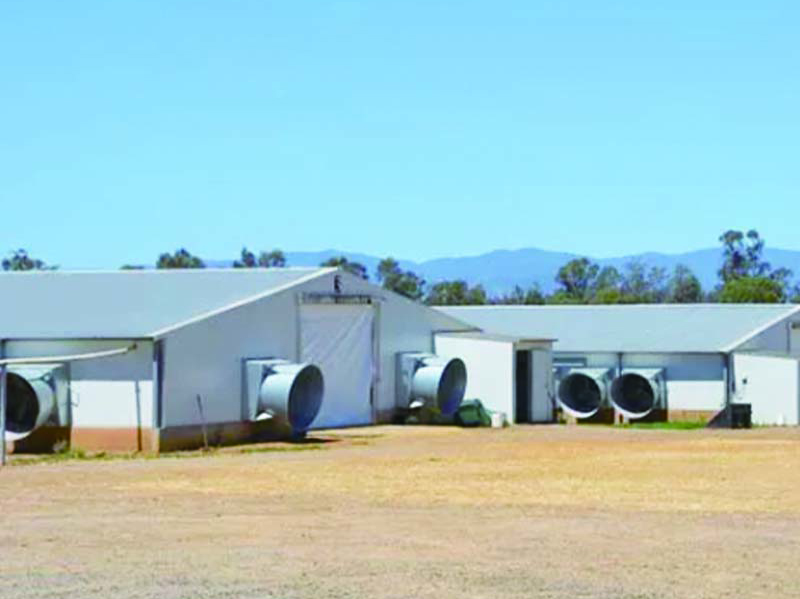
(522, 374)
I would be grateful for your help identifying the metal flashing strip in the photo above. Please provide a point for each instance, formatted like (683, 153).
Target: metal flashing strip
(108, 353)
(337, 298)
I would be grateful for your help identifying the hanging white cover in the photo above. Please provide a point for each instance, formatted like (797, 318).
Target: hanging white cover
(337, 338)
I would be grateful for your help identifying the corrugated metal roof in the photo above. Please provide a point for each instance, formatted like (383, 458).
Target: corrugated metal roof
(128, 304)
(629, 328)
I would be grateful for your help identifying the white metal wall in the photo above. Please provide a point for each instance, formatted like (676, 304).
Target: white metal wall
(205, 357)
(794, 341)
(112, 392)
(490, 369)
(771, 384)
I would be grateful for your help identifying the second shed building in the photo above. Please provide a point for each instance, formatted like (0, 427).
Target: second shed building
(681, 362)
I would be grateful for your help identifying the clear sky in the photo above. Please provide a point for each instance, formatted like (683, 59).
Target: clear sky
(413, 128)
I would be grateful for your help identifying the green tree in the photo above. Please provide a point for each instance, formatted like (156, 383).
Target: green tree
(354, 268)
(684, 286)
(247, 259)
(752, 290)
(783, 276)
(404, 282)
(745, 276)
(274, 259)
(742, 255)
(606, 288)
(20, 260)
(576, 278)
(519, 296)
(608, 295)
(562, 297)
(643, 286)
(456, 293)
(180, 259)
(608, 278)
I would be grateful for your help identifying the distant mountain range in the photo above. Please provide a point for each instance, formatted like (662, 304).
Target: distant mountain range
(499, 271)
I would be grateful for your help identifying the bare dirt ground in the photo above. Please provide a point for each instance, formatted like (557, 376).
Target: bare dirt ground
(390, 512)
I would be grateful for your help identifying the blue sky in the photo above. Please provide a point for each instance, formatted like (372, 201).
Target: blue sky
(416, 129)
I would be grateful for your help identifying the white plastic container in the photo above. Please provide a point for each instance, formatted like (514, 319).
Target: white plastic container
(498, 420)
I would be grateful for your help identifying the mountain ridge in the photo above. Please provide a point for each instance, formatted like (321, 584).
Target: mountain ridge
(500, 270)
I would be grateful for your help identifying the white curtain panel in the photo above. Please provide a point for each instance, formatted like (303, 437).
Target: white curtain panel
(338, 339)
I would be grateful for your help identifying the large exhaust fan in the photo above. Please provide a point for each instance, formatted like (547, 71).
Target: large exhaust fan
(35, 396)
(283, 392)
(429, 380)
(637, 392)
(582, 392)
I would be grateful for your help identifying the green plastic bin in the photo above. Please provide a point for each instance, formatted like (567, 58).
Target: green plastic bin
(471, 413)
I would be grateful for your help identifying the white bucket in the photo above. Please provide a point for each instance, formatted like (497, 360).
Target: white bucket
(498, 419)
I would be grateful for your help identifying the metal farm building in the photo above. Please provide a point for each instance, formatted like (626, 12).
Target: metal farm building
(161, 360)
(156, 360)
(680, 362)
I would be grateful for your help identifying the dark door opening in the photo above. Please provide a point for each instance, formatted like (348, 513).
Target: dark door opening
(522, 403)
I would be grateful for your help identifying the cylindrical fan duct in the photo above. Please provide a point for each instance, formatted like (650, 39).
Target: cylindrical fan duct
(291, 394)
(440, 380)
(29, 404)
(636, 392)
(583, 391)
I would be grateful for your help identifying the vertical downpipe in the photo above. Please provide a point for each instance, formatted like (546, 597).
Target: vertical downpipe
(726, 361)
(158, 382)
(514, 367)
(298, 339)
(619, 374)
(376, 360)
(3, 372)
(138, 393)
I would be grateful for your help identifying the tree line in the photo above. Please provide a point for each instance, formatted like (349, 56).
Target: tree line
(744, 277)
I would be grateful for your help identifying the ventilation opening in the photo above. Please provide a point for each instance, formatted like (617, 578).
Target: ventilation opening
(452, 386)
(633, 393)
(522, 408)
(581, 394)
(22, 404)
(305, 398)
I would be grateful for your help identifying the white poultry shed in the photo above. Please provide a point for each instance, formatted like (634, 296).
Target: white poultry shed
(673, 361)
(206, 353)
